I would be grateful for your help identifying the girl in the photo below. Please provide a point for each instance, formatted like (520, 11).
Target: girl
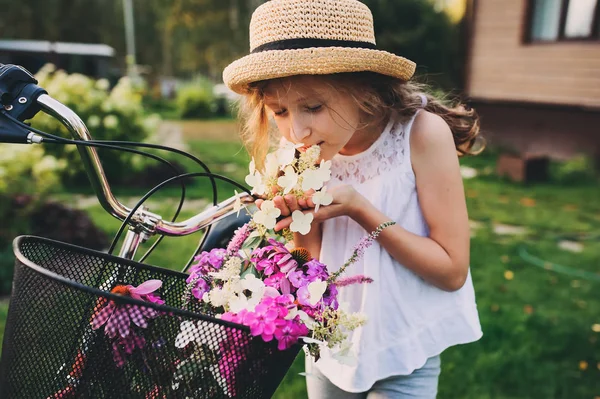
(314, 69)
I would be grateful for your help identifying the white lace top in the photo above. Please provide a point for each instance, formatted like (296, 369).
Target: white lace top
(409, 320)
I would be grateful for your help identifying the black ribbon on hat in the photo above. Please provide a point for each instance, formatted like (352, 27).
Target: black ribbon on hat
(295, 44)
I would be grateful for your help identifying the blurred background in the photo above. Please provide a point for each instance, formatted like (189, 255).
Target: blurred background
(150, 70)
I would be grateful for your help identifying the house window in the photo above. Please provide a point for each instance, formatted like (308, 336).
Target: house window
(553, 20)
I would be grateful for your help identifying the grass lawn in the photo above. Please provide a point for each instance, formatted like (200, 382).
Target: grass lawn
(540, 314)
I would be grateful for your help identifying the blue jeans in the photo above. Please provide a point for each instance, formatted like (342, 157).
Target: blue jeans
(421, 384)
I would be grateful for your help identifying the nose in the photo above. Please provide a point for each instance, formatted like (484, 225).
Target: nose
(300, 129)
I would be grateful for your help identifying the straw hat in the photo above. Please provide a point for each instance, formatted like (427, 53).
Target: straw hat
(312, 37)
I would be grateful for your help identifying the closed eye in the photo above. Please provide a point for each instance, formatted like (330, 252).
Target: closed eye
(314, 109)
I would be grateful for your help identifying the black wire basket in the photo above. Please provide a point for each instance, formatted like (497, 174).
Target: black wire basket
(72, 332)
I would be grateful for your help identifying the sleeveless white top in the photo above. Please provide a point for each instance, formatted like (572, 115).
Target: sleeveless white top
(409, 320)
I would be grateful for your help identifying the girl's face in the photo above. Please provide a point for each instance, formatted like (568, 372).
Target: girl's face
(308, 110)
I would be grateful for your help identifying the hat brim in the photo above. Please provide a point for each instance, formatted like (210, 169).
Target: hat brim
(313, 61)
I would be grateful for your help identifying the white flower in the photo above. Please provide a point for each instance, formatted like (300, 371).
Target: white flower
(301, 222)
(311, 179)
(316, 289)
(268, 214)
(255, 180)
(287, 152)
(252, 284)
(324, 170)
(237, 206)
(289, 180)
(271, 165)
(189, 333)
(221, 296)
(230, 270)
(322, 198)
(311, 155)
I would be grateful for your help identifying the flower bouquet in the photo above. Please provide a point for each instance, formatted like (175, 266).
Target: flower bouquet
(261, 280)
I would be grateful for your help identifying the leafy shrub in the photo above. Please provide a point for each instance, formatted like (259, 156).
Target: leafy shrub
(579, 169)
(110, 114)
(27, 175)
(196, 99)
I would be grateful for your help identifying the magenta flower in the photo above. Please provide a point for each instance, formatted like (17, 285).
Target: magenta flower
(262, 321)
(288, 334)
(125, 346)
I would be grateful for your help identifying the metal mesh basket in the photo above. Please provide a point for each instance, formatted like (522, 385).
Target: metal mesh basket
(53, 347)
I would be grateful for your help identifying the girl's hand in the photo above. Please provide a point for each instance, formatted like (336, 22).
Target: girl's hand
(346, 201)
(289, 203)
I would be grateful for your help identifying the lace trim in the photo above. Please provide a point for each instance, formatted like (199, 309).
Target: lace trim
(385, 154)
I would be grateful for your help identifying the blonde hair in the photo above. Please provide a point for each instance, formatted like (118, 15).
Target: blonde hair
(378, 97)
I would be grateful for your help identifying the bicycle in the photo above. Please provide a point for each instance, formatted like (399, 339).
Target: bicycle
(51, 346)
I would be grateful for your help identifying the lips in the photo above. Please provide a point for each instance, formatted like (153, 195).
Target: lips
(306, 147)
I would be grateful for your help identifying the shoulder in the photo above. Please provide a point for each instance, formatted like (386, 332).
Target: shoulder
(430, 133)
(432, 143)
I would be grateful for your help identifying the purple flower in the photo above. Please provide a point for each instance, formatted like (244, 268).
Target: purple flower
(200, 288)
(330, 296)
(298, 278)
(208, 261)
(316, 270)
(303, 295)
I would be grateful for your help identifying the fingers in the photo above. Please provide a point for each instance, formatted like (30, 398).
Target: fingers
(305, 202)
(292, 203)
(283, 223)
(280, 203)
(259, 203)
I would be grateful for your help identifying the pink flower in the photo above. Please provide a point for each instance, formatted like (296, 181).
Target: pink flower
(238, 239)
(274, 258)
(358, 279)
(262, 321)
(118, 317)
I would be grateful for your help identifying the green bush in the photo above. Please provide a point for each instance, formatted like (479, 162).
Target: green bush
(110, 114)
(195, 99)
(26, 177)
(579, 169)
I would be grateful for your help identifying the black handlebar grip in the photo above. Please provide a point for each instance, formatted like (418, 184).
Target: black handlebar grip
(12, 80)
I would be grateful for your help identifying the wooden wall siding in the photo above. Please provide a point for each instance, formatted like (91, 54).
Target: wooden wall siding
(502, 67)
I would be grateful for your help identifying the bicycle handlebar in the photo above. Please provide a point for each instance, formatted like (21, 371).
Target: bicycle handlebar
(149, 222)
(21, 98)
